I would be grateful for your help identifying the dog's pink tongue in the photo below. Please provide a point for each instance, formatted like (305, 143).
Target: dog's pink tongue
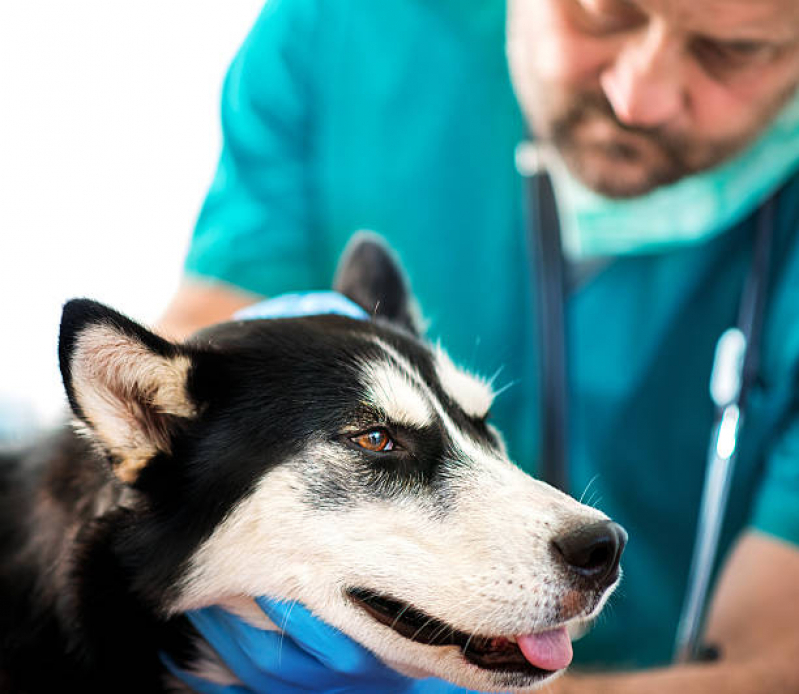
(548, 650)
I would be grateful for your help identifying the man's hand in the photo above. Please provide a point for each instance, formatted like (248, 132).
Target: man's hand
(199, 304)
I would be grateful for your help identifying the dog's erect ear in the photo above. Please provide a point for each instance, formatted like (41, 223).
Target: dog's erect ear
(126, 384)
(369, 275)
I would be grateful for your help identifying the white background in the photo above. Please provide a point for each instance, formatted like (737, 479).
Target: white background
(109, 135)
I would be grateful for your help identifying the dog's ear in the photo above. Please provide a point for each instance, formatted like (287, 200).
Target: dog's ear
(127, 385)
(369, 274)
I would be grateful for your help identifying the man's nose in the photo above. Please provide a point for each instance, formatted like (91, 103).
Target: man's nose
(644, 84)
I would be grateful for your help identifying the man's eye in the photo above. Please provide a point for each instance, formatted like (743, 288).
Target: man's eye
(375, 440)
(723, 56)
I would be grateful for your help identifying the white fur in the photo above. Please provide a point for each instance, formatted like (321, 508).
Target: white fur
(396, 395)
(467, 448)
(473, 394)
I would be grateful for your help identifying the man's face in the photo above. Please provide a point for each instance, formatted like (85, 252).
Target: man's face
(636, 94)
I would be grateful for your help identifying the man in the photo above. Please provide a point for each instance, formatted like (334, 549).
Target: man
(399, 116)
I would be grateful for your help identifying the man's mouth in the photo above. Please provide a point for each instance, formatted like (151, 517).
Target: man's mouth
(533, 655)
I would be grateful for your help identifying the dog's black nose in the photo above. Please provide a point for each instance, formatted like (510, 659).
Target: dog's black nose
(593, 551)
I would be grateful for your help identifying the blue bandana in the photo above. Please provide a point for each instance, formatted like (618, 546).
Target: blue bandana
(302, 304)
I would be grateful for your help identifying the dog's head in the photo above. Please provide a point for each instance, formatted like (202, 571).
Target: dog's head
(346, 464)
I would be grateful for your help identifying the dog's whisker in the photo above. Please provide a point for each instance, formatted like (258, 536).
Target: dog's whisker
(423, 627)
(507, 386)
(283, 630)
(596, 501)
(587, 487)
(468, 641)
(399, 616)
(441, 631)
(493, 377)
(288, 614)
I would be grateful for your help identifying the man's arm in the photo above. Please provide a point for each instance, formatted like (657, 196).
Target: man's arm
(197, 304)
(753, 620)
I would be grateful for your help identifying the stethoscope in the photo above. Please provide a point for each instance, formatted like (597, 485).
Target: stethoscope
(735, 365)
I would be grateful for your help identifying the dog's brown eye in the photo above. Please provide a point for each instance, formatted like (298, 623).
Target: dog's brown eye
(375, 440)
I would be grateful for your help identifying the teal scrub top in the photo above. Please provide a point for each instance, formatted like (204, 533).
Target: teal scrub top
(398, 116)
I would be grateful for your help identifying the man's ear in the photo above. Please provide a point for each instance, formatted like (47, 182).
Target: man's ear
(369, 274)
(127, 385)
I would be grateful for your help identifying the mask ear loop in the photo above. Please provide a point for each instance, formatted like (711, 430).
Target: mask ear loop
(549, 290)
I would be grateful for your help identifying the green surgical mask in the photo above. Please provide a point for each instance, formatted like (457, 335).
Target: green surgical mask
(690, 211)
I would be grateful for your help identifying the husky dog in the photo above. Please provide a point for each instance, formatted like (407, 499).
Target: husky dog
(342, 463)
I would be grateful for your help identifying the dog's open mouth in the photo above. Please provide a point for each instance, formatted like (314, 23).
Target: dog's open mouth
(536, 655)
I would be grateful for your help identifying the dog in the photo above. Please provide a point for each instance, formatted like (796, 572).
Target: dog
(343, 463)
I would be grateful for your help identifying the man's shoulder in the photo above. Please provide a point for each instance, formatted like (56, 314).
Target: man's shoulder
(394, 21)
(370, 46)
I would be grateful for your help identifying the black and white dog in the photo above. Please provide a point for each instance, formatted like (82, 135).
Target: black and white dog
(342, 463)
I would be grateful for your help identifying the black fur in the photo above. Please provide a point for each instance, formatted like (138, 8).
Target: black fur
(68, 618)
(370, 276)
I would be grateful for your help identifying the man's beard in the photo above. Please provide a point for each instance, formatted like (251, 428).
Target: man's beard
(676, 156)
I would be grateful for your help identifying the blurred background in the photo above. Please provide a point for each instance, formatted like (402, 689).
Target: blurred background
(109, 135)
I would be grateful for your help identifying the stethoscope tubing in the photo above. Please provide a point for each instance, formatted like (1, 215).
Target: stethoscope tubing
(545, 247)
